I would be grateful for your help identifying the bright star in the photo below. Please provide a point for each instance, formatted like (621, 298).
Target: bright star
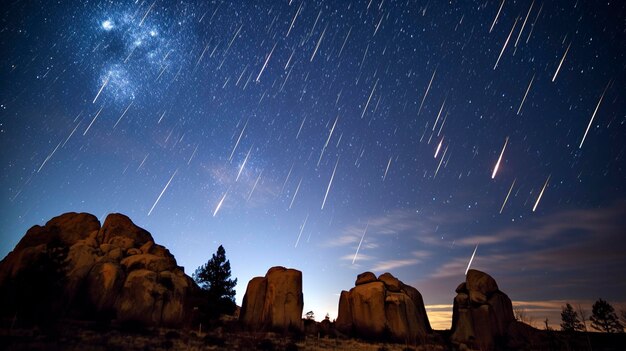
(107, 25)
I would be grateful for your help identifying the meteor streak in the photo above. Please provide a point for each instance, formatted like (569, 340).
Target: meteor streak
(505, 44)
(162, 192)
(295, 193)
(49, 156)
(330, 183)
(593, 116)
(254, 186)
(106, 81)
(360, 242)
(525, 94)
(387, 169)
(369, 98)
(146, 15)
(497, 15)
(123, 113)
(93, 120)
(302, 229)
(243, 164)
(471, 259)
(237, 143)
(265, 64)
(541, 193)
(561, 63)
(495, 169)
(507, 196)
(219, 204)
(426, 93)
(438, 147)
(327, 140)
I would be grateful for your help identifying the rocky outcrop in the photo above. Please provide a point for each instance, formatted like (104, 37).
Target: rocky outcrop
(274, 302)
(115, 271)
(383, 308)
(482, 313)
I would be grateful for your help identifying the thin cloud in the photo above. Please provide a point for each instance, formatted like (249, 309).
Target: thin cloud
(392, 264)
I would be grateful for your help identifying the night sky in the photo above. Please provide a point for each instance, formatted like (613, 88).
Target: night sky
(332, 137)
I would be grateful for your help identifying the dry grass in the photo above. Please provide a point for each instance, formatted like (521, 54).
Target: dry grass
(78, 337)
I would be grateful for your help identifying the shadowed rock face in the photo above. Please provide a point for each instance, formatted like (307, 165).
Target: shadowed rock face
(115, 270)
(274, 302)
(383, 307)
(481, 314)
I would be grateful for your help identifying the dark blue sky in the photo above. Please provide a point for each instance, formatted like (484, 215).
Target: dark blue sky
(333, 137)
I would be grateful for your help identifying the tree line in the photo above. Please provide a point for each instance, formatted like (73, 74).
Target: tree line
(603, 318)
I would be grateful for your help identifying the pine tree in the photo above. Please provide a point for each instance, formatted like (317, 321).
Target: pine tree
(604, 319)
(214, 278)
(569, 319)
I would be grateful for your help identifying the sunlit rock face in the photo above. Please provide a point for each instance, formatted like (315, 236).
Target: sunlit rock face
(274, 302)
(383, 307)
(115, 271)
(481, 314)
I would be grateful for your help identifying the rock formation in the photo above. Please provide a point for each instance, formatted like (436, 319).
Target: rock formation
(383, 308)
(274, 302)
(481, 314)
(115, 271)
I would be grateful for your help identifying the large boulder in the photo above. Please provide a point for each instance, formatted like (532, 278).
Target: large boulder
(115, 271)
(481, 313)
(118, 225)
(383, 308)
(274, 302)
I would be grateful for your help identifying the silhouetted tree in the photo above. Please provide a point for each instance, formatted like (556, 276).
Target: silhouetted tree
(214, 278)
(622, 316)
(569, 319)
(604, 319)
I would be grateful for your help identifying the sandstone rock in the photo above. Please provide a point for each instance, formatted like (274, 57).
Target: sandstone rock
(368, 308)
(105, 248)
(480, 281)
(344, 317)
(63, 230)
(253, 302)
(383, 307)
(392, 283)
(115, 254)
(477, 297)
(365, 278)
(274, 302)
(133, 251)
(116, 225)
(418, 302)
(122, 242)
(401, 317)
(66, 228)
(145, 248)
(148, 261)
(481, 313)
(103, 283)
(147, 286)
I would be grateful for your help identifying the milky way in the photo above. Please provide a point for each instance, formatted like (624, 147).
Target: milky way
(285, 130)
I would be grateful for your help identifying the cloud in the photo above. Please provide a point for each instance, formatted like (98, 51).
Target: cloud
(360, 257)
(557, 225)
(534, 312)
(392, 264)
